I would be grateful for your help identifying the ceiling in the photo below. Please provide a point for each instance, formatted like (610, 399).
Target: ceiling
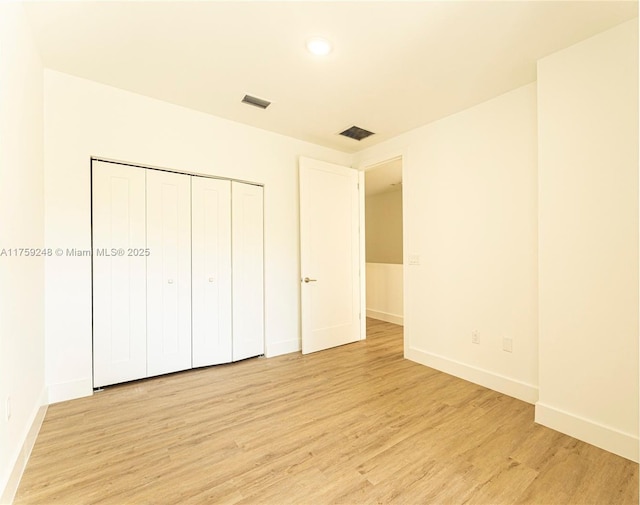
(394, 66)
(383, 178)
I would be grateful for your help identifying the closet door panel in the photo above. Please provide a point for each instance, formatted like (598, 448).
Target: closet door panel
(248, 270)
(168, 272)
(119, 286)
(211, 271)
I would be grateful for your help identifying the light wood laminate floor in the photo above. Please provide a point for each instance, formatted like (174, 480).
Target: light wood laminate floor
(353, 425)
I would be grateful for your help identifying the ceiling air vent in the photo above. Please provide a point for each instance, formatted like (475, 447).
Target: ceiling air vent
(256, 102)
(356, 133)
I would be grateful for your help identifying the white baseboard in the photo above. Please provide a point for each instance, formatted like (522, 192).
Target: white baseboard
(385, 316)
(70, 390)
(284, 347)
(605, 437)
(506, 385)
(8, 491)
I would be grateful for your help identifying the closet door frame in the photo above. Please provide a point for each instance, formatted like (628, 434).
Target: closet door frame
(212, 335)
(258, 345)
(168, 222)
(247, 204)
(118, 279)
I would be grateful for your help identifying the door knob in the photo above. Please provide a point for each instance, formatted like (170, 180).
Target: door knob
(307, 280)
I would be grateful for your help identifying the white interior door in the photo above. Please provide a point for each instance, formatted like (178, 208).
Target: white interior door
(248, 270)
(329, 255)
(119, 287)
(168, 272)
(211, 271)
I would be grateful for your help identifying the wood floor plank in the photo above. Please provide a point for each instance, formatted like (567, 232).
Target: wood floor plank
(357, 424)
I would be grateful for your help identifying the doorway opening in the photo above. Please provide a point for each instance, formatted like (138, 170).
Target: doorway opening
(383, 244)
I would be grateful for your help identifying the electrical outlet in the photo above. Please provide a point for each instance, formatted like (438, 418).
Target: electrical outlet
(8, 408)
(507, 344)
(475, 338)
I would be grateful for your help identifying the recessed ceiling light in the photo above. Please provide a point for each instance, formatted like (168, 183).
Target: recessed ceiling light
(319, 46)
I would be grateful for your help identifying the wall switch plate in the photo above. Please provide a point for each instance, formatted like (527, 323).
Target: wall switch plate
(414, 259)
(475, 338)
(507, 344)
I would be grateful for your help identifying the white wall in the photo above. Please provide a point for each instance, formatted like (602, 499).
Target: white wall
(384, 292)
(383, 222)
(84, 119)
(588, 245)
(472, 197)
(21, 278)
(470, 214)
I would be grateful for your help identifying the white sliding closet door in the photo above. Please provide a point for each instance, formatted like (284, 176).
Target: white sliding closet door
(248, 270)
(119, 288)
(211, 270)
(168, 272)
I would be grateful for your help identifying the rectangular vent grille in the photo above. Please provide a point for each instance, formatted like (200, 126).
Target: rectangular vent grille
(356, 133)
(256, 102)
